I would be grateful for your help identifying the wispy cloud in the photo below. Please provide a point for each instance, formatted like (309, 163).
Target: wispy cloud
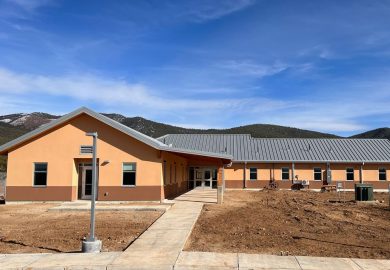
(22, 9)
(30, 5)
(250, 68)
(88, 87)
(329, 115)
(211, 10)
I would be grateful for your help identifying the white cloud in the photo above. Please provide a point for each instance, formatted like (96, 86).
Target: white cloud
(211, 10)
(327, 114)
(250, 68)
(111, 91)
(30, 5)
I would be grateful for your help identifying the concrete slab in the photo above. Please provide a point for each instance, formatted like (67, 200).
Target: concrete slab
(139, 267)
(161, 260)
(262, 261)
(74, 261)
(162, 243)
(207, 260)
(156, 233)
(18, 261)
(199, 195)
(373, 264)
(86, 206)
(320, 263)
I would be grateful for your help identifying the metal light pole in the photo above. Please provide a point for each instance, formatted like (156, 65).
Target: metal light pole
(92, 245)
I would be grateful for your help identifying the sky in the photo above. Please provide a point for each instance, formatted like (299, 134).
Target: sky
(318, 65)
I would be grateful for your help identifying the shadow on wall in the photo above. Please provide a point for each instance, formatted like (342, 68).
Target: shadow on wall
(3, 175)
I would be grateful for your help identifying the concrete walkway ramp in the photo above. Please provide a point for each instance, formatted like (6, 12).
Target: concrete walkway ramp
(203, 195)
(160, 245)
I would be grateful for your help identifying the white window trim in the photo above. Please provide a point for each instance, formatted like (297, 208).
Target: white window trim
(130, 186)
(346, 174)
(281, 173)
(314, 174)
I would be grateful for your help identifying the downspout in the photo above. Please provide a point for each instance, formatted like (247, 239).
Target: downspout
(361, 173)
(328, 174)
(245, 174)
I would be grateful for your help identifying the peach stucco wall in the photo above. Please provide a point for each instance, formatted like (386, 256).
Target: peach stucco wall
(175, 175)
(234, 175)
(60, 149)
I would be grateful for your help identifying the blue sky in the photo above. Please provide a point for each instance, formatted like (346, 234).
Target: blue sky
(321, 65)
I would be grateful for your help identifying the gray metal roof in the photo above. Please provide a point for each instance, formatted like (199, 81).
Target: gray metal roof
(114, 124)
(245, 148)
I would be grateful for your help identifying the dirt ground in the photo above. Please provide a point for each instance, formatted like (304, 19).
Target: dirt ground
(30, 228)
(295, 223)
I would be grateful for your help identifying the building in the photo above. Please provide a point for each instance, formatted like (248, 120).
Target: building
(52, 164)
(316, 162)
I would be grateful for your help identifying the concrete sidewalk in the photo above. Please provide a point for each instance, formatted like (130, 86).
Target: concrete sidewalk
(110, 206)
(160, 246)
(210, 260)
(184, 261)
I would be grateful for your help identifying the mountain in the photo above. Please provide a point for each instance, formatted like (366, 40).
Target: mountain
(380, 133)
(27, 121)
(14, 125)
(7, 133)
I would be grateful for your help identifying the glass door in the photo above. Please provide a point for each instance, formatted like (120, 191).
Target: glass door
(207, 179)
(87, 183)
(198, 178)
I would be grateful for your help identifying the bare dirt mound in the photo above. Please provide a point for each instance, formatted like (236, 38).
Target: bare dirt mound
(295, 223)
(31, 228)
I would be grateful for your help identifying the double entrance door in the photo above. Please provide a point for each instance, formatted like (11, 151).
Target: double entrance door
(203, 178)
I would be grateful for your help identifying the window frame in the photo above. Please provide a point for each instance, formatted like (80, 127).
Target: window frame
(135, 172)
(288, 171)
(381, 173)
(314, 173)
(250, 173)
(347, 173)
(34, 171)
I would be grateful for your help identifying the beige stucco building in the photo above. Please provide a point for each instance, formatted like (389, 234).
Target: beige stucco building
(49, 163)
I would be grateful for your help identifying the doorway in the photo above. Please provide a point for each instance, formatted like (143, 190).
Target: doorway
(203, 177)
(86, 182)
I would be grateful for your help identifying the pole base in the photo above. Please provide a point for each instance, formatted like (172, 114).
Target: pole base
(91, 246)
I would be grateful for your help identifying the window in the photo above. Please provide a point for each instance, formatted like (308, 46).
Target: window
(382, 174)
(285, 173)
(129, 171)
(317, 174)
(253, 173)
(350, 174)
(40, 174)
(215, 174)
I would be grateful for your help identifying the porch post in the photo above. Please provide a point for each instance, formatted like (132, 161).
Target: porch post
(293, 171)
(220, 184)
(361, 173)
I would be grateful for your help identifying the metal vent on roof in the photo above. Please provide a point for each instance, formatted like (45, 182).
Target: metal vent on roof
(86, 149)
